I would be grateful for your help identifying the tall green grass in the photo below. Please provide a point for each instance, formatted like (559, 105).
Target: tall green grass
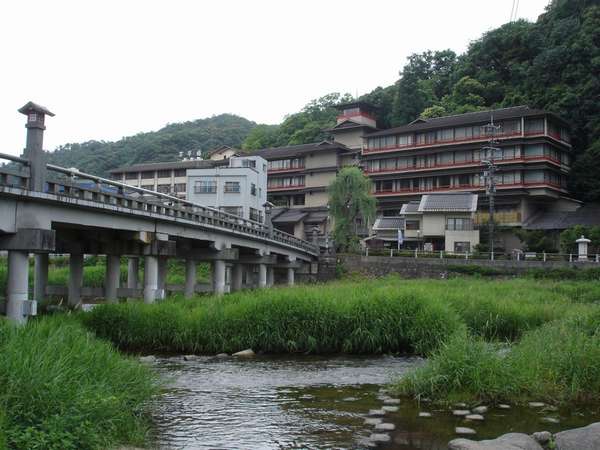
(62, 388)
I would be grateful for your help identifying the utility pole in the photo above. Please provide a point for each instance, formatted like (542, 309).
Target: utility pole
(489, 174)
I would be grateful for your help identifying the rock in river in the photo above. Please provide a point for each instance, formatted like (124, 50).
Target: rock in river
(461, 412)
(474, 417)
(464, 430)
(245, 353)
(425, 415)
(480, 410)
(510, 441)
(385, 427)
(390, 408)
(147, 359)
(585, 438)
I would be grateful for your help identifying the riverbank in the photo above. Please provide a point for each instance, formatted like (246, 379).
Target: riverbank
(504, 340)
(62, 388)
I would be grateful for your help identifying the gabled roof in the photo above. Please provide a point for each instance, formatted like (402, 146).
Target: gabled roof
(30, 106)
(456, 202)
(472, 118)
(349, 124)
(411, 207)
(389, 223)
(295, 150)
(222, 148)
(290, 216)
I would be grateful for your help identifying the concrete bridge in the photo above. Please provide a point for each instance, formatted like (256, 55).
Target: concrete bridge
(48, 209)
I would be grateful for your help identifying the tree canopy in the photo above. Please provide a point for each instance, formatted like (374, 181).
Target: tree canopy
(350, 199)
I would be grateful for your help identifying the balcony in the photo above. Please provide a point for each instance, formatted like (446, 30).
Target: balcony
(500, 217)
(290, 187)
(469, 187)
(286, 170)
(468, 163)
(454, 141)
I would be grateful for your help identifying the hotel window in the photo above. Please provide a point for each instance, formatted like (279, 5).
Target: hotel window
(205, 187)
(534, 150)
(232, 187)
(405, 139)
(385, 186)
(163, 188)
(405, 184)
(131, 176)
(252, 189)
(445, 134)
(180, 172)
(388, 164)
(462, 157)
(390, 141)
(464, 180)
(444, 181)
(412, 225)
(534, 126)
(164, 174)
(249, 163)
(509, 153)
(180, 187)
(147, 174)
(149, 187)
(446, 157)
(255, 215)
(373, 165)
(510, 127)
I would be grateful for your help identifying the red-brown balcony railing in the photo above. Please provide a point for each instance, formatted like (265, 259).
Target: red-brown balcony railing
(462, 187)
(438, 142)
(285, 188)
(286, 169)
(467, 163)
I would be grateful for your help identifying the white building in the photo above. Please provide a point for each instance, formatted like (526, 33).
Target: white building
(238, 188)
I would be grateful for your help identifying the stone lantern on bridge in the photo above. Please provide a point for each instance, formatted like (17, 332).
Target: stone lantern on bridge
(582, 244)
(34, 150)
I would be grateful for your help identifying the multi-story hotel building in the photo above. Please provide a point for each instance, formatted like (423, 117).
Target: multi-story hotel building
(444, 155)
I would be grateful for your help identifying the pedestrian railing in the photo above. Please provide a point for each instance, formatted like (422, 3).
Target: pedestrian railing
(496, 256)
(71, 183)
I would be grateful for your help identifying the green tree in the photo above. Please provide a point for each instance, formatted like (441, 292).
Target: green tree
(350, 199)
(261, 136)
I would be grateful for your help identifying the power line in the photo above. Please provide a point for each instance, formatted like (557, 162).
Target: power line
(514, 11)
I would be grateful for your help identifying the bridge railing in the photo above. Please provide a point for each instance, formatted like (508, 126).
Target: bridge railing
(76, 184)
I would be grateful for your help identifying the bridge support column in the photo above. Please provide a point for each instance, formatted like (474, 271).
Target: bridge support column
(190, 278)
(41, 277)
(270, 276)
(291, 276)
(112, 278)
(218, 277)
(162, 277)
(133, 268)
(75, 278)
(150, 278)
(262, 275)
(18, 285)
(237, 275)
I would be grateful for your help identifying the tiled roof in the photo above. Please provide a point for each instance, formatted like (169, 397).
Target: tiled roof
(459, 202)
(290, 216)
(410, 207)
(586, 215)
(467, 119)
(388, 223)
(294, 150)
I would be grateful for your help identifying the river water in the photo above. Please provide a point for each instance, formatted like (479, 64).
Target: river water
(311, 402)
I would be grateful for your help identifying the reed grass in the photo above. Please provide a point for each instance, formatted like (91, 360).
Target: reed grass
(62, 388)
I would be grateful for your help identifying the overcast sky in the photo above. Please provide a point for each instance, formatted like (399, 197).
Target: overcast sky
(113, 68)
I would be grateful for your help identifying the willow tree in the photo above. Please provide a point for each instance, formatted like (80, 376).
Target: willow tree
(350, 199)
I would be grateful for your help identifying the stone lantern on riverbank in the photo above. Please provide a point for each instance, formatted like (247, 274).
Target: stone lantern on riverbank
(582, 244)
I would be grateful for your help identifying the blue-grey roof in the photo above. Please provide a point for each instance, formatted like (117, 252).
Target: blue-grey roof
(410, 207)
(587, 215)
(388, 223)
(290, 216)
(458, 202)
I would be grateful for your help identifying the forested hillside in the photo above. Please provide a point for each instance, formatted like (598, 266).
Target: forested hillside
(98, 157)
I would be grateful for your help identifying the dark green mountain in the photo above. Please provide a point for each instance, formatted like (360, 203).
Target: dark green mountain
(97, 157)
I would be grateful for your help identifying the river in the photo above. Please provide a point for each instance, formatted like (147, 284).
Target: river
(312, 402)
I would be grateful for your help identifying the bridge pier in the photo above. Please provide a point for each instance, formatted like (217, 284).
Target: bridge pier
(133, 268)
(190, 278)
(270, 276)
(150, 278)
(290, 276)
(112, 278)
(262, 276)
(163, 266)
(218, 274)
(18, 285)
(41, 277)
(75, 278)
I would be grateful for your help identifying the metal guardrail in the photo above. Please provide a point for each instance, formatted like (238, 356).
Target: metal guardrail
(115, 193)
(482, 256)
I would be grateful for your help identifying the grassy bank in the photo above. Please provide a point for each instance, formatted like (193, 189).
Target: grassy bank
(62, 388)
(464, 326)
